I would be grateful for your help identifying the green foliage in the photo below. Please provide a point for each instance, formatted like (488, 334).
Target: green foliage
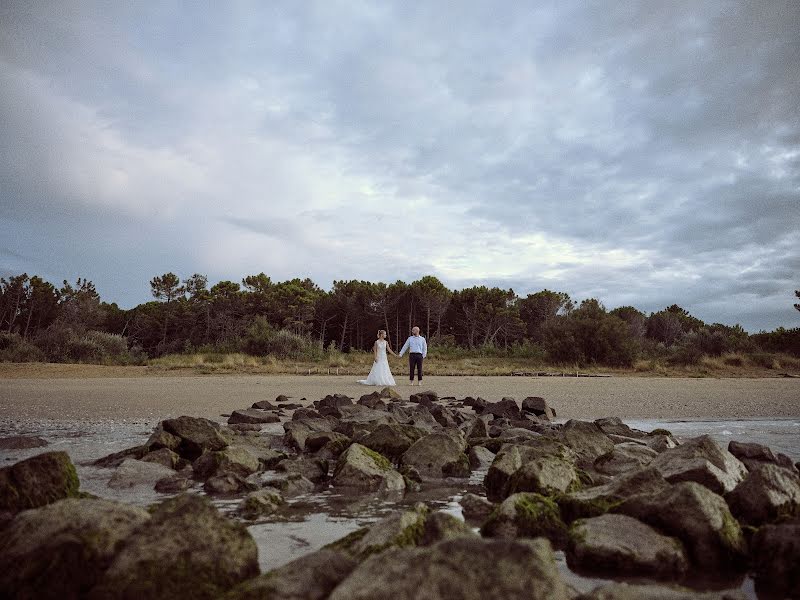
(261, 340)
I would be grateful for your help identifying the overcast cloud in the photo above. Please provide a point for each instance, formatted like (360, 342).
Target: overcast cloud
(641, 153)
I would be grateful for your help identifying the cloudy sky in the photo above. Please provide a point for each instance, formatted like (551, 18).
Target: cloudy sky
(641, 153)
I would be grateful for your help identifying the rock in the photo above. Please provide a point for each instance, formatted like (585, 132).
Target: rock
(618, 545)
(392, 439)
(253, 416)
(427, 397)
(443, 526)
(197, 435)
(232, 459)
(356, 417)
(506, 408)
(631, 591)
(268, 457)
(187, 549)
(449, 569)
(22, 442)
(475, 508)
(373, 401)
(775, 551)
(615, 426)
(546, 475)
(703, 461)
(260, 503)
(518, 433)
(313, 469)
(305, 413)
(316, 440)
(480, 457)
(527, 515)
(361, 468)
(539, 407)
(627, 456)
(227, 484)
(767, 493)
(115, 459)
(244, 429)
(699, 518)
(390, 393)
(292, 485)
(754, 454)
(587, 440)
(598, 500)
(62, 550)
(331, 404)
(37, 481)
(443, 416)
(510, 459)
(310, 577)
(298, 431)
(659, 443)
(437, 455)
(173, 484)
(475, 428)
(267, 405)
(400, 529)
(162, 439)
(164, 457)
(290, 405)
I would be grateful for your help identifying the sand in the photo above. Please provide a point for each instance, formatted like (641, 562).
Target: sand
(153, 398)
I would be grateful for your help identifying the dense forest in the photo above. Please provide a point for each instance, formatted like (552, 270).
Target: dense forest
(298, 319)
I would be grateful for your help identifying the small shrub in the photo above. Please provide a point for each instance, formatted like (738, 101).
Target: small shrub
(14, 348)
(733, 360)
(258, 337)
(112, 344)
(84, 350)
(764, 360)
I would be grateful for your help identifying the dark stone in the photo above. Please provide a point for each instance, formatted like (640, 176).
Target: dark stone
(22, 442)
(701, 460)
(769, 492)
(253, 416)
(227, 484)
(507, 408)
(539, 407)
(37, 481)
(752, 454)
(313, 469)
(115, 459)
(174, 484)
(265, 405)
(197, 435)
(392, 439)
(775, 552)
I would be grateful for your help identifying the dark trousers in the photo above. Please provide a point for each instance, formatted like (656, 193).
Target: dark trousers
(415, 360)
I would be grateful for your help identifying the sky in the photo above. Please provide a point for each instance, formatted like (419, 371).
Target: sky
(642, 153)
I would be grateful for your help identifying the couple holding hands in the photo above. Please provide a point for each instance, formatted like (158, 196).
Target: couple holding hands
(381, 374)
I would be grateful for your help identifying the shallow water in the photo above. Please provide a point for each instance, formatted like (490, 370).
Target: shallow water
(312, 521)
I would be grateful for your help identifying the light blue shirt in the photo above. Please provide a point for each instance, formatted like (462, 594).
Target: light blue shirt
(415, 343)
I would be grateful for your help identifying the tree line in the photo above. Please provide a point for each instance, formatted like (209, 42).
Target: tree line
(39, 321)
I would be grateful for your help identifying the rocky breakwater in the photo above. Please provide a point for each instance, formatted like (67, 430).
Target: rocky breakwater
(678, 518)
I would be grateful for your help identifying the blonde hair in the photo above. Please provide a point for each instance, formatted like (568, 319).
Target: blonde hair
(383, 331)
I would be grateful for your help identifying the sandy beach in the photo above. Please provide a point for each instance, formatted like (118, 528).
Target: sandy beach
(586, 398)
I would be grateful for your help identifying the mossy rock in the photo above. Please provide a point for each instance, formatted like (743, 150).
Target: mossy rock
(38, 481)
(400, 530)
(527, 514)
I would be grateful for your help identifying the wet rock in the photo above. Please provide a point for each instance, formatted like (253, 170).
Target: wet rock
(775, 551)
(268, 457)
(162, 439)
(253, 416)
(630, 591)
(62, 550)
(37, 481)
(443, 526)
(316, 440)
(227, 484)
(400, 529)
(615, 545)
(512, 457)
(260, 503)
(699, 518)
(313, 469)
(703, 461)
(754, 454)
(627, 456)
(187, 549)
(392, 439)
(164, 457)
(539, 407)
(364, 469)
(476, 508)
(449, 569)
(197, 435)
(173, 484)
(115, 459)
(587, 440)
(598, 500)
(292, 485)
(310, 577)
(615, 426)
(480, 457)
(767, 493)
(527, 515)
(355, 418)
(298, 431)
(22, 442)
(232, 459)
(267, 405)
(546, 475)
(290, 405)
(437, 455)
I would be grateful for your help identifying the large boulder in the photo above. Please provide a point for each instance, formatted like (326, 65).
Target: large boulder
(615, 426)
(527, 515)
(310, 577)
(511, 457)
(313, 469)
(545, 475)
(37, 481)
(363, 469)
(618, 545)
(775, 551)
(699, 518)
(62, 550)
(752, 455)
(357, 418)
(330, 404)
(597, 500)
(297, 431)
(392, 439)
(639, 591)
(476, 508)
(232, 459)
(768, 492)
(587, 440)
(187, 549)
(133, 473)
(480, 457)
(162, 439)
(506, 408)
(252, 416)
(166, 458)
(703, 461)
(627, 456)
(454, 569)
(400, 529)
(539, 407)
(197, 435)
(437, 455)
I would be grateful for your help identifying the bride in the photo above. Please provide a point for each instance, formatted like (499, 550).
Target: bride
(380, 374)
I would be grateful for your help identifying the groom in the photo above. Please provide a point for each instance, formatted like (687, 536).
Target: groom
(418, 349)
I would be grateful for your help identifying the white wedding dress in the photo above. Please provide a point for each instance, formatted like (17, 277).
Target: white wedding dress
(380, 374)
